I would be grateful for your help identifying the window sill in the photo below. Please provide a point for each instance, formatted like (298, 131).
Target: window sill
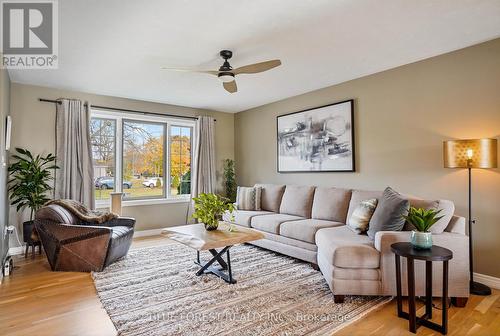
(141, 202)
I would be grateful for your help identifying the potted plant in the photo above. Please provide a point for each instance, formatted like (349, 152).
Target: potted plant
(422, 220)
(208, 209)
(29, 183)
(229, 180)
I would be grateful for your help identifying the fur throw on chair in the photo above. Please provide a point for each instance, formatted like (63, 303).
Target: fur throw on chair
(84, 213)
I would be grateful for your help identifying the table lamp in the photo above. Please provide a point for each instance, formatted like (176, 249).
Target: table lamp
(471, 153)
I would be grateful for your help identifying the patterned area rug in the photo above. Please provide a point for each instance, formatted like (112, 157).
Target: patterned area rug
(154, 291)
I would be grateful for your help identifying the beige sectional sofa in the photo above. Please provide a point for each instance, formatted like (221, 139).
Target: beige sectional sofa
(308, 223)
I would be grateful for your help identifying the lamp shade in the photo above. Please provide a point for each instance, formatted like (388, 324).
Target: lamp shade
(470, 153)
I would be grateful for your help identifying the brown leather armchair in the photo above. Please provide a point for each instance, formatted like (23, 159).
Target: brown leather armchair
(74, 245)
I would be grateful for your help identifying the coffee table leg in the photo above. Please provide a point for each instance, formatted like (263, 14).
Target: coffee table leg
(211, 261)
(412, 318)
(219, 258)
(230, 273)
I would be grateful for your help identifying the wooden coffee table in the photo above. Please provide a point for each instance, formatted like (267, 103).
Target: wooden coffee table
(196, 237)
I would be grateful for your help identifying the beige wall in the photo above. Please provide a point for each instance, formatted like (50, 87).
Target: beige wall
(33, 128)
(4, 112)
(401, 118)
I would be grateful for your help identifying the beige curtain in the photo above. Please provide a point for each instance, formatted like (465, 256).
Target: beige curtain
(74, 178)
(203, 177)
(204, 156)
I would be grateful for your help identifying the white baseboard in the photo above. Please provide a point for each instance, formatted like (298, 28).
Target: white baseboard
(147, 233)
(487, 280)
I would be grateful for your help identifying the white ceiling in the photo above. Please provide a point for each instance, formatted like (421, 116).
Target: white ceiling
(116, 47)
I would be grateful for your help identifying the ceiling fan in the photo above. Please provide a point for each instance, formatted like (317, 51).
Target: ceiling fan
(227, 74)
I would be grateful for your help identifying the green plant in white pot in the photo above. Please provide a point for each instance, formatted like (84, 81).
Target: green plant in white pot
(422, 220)
(209, 208)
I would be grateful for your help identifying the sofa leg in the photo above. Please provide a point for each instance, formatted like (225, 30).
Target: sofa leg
(315, 267)
(459, 301)
(338, 298)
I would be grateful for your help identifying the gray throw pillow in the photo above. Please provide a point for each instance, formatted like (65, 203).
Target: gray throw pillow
(388, 215)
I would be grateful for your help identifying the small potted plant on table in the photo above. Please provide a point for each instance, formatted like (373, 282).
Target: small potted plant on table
(422, 220)
(209, 208)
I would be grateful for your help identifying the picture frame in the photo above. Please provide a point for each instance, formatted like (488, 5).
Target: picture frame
(319, 139)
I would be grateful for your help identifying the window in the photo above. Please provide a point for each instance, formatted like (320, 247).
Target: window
(143, 157)
(103, 136)
(180, 160)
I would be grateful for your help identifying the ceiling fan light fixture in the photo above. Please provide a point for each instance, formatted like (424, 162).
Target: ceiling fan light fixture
(226, 77)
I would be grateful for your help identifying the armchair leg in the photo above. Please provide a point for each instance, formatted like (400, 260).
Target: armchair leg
(315, 267)
(459, 301)
(338, 298)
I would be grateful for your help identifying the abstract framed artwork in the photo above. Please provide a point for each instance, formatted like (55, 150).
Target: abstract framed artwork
(320, 139)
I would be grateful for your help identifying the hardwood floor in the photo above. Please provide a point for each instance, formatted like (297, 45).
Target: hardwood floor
(36, 301)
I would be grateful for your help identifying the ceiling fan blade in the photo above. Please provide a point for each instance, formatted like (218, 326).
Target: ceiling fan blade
(257, 67)
(230, 86)
(210, 72)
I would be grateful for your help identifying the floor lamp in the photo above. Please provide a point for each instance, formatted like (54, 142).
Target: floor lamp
(471, 153)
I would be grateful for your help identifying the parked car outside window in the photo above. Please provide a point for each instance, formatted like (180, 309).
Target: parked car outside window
(109, 183)
(153, 182)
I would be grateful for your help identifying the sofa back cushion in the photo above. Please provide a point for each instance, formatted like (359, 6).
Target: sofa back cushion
(357, 196)
(270, 198)
(447, 210)
(331, 204)
(297, 201)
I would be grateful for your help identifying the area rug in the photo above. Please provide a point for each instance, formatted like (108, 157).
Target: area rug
(154, 291)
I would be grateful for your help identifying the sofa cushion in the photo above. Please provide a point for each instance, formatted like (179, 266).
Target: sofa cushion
(270, 197)
(271, 223)
(356, 273)
(343, 248)
(331, 204)
(243, 217)
(305, 229)
(286, 241)
(357, 196)
(447, 210)
(388, 215)
(297, 201)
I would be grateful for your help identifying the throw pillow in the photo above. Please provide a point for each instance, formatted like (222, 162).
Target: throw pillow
(248, 198)
(388, 215)
(360, 217)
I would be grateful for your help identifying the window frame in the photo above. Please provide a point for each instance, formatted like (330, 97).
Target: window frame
(120, 117)
(114, 156)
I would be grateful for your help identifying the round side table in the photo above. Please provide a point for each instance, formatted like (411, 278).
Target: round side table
(436, 253)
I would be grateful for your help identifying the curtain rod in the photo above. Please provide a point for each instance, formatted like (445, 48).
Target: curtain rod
(126, 110)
